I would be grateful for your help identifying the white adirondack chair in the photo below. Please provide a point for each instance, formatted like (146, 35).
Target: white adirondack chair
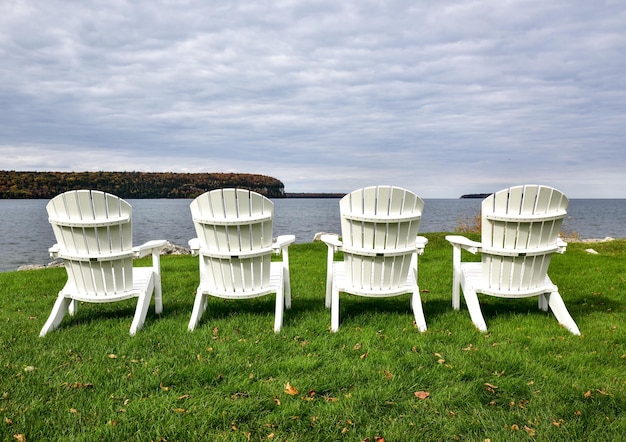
(235, 244)
(380, 245)
(519, 233)
(93, 231)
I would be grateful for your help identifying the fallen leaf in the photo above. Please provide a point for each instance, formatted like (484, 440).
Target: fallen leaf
(531, 431)
(363, 356)
(421, 394)
(29, 368)
(184, 396)
(277, 401)
(8, 421)
(379, 439)
(290, 389)
(387, 374)
(19, 437)
(587, 394)
(163, 387)
(514, 427)
(73, 411)
(357, 346)
(180, 410)
(491, 388)
(76, 385)
(112, 356)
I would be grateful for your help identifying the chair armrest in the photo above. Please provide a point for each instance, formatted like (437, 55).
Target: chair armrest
(194, 246)
(281, 242)
(420, 244)
(332, 241)
(54, 251)
(464, 243)
(149, 247)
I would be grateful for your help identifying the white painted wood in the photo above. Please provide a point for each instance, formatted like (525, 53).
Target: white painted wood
(379, 227)
(520, 232)
(235, 246)
(94, 238)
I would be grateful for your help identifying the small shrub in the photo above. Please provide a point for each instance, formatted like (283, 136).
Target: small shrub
(469, 224)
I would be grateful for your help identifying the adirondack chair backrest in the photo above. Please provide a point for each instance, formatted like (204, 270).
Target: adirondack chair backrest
(94, 233)
(520, 228)
(234, 227)
(379, 226)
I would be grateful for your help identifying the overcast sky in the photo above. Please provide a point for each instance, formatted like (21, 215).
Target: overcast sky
(441, 97)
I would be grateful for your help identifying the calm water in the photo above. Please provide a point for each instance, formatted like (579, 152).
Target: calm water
(26, 234)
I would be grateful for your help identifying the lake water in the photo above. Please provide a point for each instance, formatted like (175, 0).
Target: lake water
(26, 234)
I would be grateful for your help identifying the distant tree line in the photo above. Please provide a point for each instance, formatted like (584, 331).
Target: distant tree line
(45, 185)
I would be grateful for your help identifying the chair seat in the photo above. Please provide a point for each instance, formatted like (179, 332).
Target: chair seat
(339, 280)
(473, 275)
(276, 281)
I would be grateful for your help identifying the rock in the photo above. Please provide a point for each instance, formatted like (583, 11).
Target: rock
(40, 266)
(318, 236)
(591, 252)
(173, 249)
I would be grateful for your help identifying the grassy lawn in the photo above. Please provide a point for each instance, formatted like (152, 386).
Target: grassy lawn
(378, 377)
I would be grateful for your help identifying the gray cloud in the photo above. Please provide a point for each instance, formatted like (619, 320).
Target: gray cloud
(443, 98)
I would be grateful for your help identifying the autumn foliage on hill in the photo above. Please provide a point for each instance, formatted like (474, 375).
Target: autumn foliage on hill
(44, 185)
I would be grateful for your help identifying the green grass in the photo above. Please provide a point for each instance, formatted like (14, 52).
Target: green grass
(526, 379)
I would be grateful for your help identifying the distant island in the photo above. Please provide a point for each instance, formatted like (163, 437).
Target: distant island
(314, 195)
(45, 185)
(481, 196)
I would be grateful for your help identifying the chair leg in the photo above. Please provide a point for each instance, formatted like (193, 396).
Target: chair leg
(334, 311)
(456, 278)
(329, 277)
(287, 288)
(543, 302)
(471, 299)
(560, 311)
(158, 295)
(73, 308)
(278, 314)
(418, 312)
(143, 304)
(61, 306)
(199, 306)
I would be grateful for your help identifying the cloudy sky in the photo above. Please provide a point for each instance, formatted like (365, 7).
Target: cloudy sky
(442, 97)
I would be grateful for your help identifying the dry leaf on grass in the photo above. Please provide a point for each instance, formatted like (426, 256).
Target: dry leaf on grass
(290, 389)
(422, 394)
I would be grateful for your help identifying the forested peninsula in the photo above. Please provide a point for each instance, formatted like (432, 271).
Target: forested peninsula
(45, 185)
